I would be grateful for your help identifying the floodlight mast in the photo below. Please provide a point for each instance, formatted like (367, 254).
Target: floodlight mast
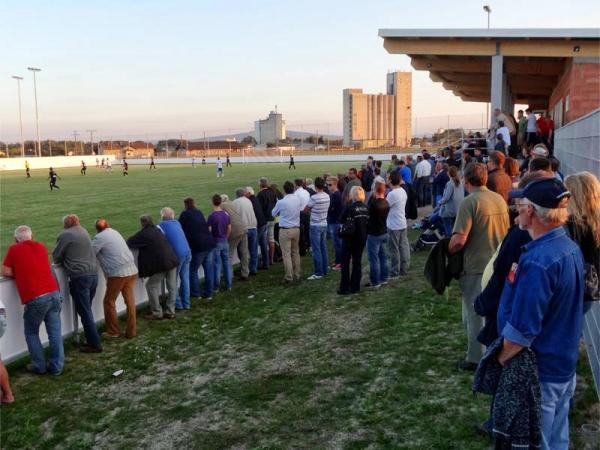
(488, 10)
(37, 119)
(19, 79)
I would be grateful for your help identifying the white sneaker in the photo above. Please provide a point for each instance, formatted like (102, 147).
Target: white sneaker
(314, 277)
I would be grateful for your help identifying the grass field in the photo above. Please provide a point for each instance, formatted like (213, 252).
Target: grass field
(264, 366)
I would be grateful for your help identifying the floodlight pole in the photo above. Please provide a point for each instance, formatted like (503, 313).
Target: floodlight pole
(20, 114)
(92, 139)
(37, 119)
(488, 10)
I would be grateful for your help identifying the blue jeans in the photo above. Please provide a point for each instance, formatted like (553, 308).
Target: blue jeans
(556, 399)
(221, 262)
(253, 249)
(204, 259)
(378, 259)
(45, 308)
(83, 290)
(183, 295)
(448, 225)
(263, 243)
(318, 244)
(337, 241)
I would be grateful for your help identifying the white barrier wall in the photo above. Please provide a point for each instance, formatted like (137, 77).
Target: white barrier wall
(577, 145)
(50, 161)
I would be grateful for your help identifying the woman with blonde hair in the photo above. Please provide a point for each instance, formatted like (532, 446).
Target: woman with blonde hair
(584, 215)
(353, 231)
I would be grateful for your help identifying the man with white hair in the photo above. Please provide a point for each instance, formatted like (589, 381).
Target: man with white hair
(238, 239)
(176, 237)
(75, 253)
(246, 211)
(541, 306)
(27, 262)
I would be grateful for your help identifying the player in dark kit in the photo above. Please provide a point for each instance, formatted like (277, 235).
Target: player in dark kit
(27, 169)
(125, 168)
(228, 161)
(292, 163)
(152, 165)
(52, 176)
(203, 160)
(83, 168)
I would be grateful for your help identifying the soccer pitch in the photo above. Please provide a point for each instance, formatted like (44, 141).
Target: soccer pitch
(122, 199)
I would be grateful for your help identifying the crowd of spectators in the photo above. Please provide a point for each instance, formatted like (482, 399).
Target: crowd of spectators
(528, 241)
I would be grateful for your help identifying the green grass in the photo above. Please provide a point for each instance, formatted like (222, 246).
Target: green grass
(292, 367)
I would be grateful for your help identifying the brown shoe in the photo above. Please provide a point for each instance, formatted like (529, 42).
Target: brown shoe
(169, 316)
(151, 316)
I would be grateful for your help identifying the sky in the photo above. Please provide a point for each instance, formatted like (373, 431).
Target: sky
(135, 68)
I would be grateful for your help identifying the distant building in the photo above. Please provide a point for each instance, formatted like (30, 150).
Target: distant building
(375, 120)
(270, 130)
(120, 149)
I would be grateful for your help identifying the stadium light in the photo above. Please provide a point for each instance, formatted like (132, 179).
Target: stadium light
(20, 114)
(488, 10)
(37, 119)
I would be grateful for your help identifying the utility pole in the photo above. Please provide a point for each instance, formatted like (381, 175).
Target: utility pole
(65, 147)
(37, 119)
(92, 139)
(19, 79)
(75, 134)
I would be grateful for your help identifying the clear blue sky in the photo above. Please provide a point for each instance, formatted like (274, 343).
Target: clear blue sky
(134, 67)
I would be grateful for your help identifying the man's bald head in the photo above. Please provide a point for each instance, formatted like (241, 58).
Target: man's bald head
(101, 225)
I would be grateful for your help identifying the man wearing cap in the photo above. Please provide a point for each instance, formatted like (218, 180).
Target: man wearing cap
(541, 306)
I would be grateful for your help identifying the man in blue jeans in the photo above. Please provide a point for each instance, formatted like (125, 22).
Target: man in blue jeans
(541, 306)
(245, 210)
(219, 225)
(202, 245)
(317, 207)
(333, 218)
(27, 262)
(377, 237)
(75, 253)
(262, 240)
(176, 237)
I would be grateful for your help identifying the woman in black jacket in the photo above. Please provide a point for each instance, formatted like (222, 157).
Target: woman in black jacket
(353, 221)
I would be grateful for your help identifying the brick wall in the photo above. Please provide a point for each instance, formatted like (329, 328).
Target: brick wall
(581, 83)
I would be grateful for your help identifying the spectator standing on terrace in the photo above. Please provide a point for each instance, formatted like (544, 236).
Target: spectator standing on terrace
(158, 262)
(505, 132)
(500, 144)
(27, 262)
(412, 165)
(453, 195)
(202, 245)
(7, 395)
(333, 216)
(246, 211)
(267, 199)
(405, 172)
(120, 272)
(399, 247)
(304, 196)
(544, 130)
(288, 209)
(511, 167)
(219, 167)
(440, 180)
(353, 228)
(542, 304)
(422, 173)
(481, 224)
(176, 237)
(498, 181)
(317, 207)
(75, 253)
(550, 124)
(353, 180)
(521, 130)
(377, 237)
(219, 225)
(531, 128)
(368, 177)
(262, 241)
(238, 239)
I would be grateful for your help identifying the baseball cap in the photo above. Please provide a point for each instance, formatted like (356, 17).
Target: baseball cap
(540, 150)
(545, 192)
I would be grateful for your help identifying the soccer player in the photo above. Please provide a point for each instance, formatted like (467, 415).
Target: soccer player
(292, 163)
(152, 165)
(102, 163)
(52, 176)
(228, 161)
(97, 162)
(83, 168)
(108, 165)
(203, 160)
(193, 161)
(126, 168)
(219, 167)
(27, 169)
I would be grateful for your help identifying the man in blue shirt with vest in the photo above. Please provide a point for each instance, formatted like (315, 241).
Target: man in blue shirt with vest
(541, 306)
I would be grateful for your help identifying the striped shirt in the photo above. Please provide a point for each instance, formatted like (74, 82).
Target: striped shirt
(319, 204)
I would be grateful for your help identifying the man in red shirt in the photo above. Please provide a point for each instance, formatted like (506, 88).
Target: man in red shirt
(543, 126)
(27, 262)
